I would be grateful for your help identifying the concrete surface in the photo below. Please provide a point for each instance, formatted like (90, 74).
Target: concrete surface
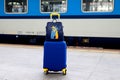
(18, 62)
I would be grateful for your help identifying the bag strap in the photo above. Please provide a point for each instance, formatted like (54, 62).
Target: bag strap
(54, 20)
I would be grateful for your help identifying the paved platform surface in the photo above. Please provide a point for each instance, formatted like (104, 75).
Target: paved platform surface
(19, 62)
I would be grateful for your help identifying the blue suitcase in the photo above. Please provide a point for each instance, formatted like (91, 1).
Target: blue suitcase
(54, 48)
(55, 56)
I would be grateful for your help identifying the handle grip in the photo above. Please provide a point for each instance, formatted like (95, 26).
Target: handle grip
(54, 14)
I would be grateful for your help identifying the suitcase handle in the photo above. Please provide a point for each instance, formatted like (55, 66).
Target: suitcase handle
(54, 14)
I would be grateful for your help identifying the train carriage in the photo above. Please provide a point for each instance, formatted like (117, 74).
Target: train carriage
(92, 23)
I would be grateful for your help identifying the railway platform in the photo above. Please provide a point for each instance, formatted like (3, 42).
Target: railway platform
(21, 62)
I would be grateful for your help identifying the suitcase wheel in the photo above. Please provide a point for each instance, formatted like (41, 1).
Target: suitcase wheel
(45, 70)
(64, 71)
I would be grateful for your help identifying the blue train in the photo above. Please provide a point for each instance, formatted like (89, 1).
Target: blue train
(67, 8)
(93, 23)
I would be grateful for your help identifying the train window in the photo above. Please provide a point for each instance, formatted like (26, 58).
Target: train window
(16, 6)
(54, 6)
(97, 5)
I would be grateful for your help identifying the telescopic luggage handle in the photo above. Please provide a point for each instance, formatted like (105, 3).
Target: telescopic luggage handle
(54, 14)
